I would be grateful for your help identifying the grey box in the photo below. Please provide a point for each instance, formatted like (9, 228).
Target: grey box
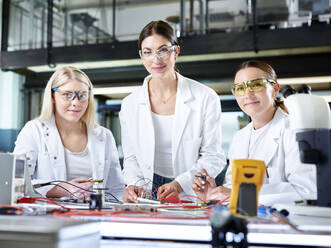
(48, 232)
(12, 168)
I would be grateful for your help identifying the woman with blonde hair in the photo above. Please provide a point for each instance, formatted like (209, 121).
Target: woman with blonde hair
(65, 144)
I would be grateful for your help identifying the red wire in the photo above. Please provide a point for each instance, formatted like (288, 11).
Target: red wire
(189, 196)
(47, 200)
(119, 214)
(81, 213)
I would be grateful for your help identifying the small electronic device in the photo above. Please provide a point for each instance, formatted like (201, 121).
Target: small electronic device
(97, 199)
(12, 183)
(247, 180)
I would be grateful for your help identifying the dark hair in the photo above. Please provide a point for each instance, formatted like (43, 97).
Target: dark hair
(158, 27)
(263, 66)
(270, 73)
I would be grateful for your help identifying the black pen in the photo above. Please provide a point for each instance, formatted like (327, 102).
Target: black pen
(203, 177)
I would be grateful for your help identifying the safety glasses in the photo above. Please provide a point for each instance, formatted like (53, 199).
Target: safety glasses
(162, 53)
(255, 85)
(71, 95)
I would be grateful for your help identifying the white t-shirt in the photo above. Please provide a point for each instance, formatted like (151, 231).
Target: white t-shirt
(163, 145)
(256, 149)
(255, 142)
(78, 164)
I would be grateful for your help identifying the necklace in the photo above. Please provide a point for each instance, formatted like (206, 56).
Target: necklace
(164, 101)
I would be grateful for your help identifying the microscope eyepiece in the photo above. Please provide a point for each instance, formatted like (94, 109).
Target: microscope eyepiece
(304, 89)
(287, 91)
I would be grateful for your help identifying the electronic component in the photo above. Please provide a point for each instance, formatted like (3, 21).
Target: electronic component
(247, 180)
(12, 177)
(96, 180)
(228, 230)
(95, 201)
(135, 207)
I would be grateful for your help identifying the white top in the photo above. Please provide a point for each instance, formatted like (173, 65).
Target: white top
(163, 145)
(255, 151)
(78, 164)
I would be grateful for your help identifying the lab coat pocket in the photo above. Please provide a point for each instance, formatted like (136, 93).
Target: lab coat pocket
(190, 152)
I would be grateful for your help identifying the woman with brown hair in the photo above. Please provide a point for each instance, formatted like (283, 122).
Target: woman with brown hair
(267, 137)
(171, 125)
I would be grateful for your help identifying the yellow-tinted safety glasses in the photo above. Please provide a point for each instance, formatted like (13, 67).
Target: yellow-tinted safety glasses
(254, 85)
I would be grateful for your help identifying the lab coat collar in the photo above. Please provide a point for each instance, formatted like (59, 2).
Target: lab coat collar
(273, 139)
(275, 134)
(276, 128)
(182, 113)
(54, 147)
(184, 93)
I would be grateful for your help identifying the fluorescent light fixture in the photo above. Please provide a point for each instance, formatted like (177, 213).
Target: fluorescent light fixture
(89, 65)
(114, 90)
(305, 80)
(221, 85)
(190, 58)
(252, 54)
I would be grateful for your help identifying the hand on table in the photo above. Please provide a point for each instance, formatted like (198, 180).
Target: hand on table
(205, 188)
(63, 189)
(168, 188)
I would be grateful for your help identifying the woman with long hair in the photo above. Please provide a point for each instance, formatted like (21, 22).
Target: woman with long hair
(65, 144)
(171, 125)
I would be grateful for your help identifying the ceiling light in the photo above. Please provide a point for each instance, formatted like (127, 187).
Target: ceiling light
(89, 65)
(114, 90)
(305, 80)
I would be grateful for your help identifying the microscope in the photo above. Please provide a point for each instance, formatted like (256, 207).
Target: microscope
(310, 116)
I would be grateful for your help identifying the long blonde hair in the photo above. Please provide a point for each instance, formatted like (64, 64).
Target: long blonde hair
(60, 77)
(271, 74)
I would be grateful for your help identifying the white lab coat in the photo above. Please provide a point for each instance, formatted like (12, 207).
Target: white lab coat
(196, 134)
(42, 144)
(289, 179)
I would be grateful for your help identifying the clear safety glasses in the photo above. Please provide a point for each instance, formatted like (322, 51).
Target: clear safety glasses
(255, 85)
(71, 95)
(162, 53)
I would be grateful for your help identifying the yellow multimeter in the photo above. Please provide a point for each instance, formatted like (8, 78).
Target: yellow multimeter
(247, 180)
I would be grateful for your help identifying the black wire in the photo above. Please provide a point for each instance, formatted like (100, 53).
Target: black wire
(108, 193)
(90, 191)
(72, 194)
(60, 181)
